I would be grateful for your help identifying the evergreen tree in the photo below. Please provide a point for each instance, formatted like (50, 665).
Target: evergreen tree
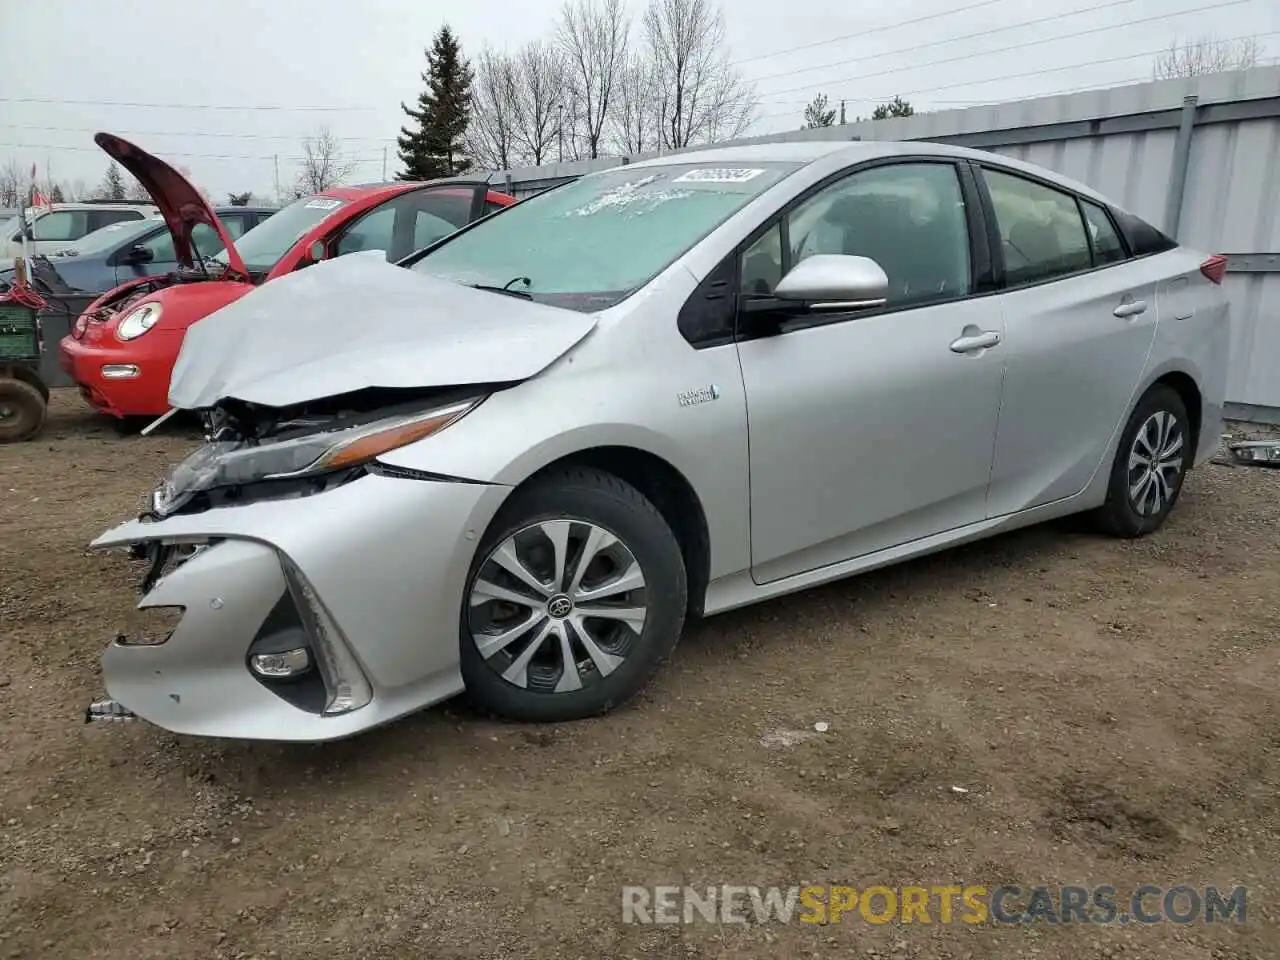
(113, 184)
(435, 147)
(897, 107)
(55, 195)
(816, 113)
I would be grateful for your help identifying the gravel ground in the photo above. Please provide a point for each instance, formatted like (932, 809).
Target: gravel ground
(1111, 709)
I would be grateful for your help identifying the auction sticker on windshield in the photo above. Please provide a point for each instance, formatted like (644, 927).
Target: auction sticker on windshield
(323, 203)
(718, 175)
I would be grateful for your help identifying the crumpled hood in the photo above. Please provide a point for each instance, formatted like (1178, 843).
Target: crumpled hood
(357, 321)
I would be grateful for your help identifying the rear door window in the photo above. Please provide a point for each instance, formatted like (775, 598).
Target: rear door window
(1041, 232)
(61, 225)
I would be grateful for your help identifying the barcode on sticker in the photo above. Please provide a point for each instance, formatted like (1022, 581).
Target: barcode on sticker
(718, 175)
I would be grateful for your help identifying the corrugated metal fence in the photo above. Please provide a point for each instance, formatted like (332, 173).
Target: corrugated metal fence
(1199, 157)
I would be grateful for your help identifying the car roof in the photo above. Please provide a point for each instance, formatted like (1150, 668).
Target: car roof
(804, 152)
(391, 187)
(100, 205)
(361, 190)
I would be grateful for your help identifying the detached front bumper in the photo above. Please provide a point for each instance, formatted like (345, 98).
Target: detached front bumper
(367, 578)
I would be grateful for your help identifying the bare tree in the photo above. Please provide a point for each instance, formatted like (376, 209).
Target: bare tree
(12, 182)
(701, 97)
(491, 133)
(323, 163)
(1207, 54)
(541, 72)
(635, 115)
(593, 35)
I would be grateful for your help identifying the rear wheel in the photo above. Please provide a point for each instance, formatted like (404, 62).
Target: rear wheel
(22, 411)
(576, 596)
(1150, 465)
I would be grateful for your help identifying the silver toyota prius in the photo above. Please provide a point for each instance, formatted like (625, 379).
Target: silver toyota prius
(514, 463)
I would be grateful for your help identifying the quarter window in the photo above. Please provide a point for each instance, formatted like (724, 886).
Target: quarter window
(102, 218)
(909, 218)
(1041, 232)
(1107, 247)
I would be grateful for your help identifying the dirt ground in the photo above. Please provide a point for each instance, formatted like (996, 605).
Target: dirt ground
(1112, 709)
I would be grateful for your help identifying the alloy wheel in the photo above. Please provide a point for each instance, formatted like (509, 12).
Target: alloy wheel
(557, 606)
(1155, 463)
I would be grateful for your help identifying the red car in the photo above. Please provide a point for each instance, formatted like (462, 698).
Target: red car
(122, 349)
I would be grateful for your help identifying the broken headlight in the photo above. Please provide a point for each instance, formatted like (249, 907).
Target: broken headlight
(234, 463)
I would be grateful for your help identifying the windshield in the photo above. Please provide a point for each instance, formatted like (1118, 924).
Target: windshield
(9, 227)
(262, 247)
(591, 243)
(111, 236)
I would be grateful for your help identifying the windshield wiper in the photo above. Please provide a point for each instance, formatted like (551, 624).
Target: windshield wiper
(505, 290)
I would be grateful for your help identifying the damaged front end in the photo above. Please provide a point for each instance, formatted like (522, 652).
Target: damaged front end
(254, 453)
(235, 537)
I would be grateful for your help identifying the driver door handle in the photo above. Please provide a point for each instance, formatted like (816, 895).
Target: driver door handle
(978, 341)
(1130, 308)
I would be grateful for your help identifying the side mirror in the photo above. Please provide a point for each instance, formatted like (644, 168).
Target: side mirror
(139, 253)
(831, 281)
(317, 251)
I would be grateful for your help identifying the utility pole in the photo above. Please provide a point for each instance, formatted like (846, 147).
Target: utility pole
(384, 163)
(276, 159)
(560, 130)
(842, 111)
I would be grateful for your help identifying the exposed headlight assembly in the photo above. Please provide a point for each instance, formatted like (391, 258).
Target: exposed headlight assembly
(227, 464)
(139, 321)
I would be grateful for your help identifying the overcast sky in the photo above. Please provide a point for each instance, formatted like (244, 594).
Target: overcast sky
(261, 63)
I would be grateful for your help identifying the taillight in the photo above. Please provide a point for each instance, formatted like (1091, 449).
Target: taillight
(1215, 268)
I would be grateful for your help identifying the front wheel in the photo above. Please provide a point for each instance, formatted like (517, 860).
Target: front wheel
(22, 411)
(1150, 465)
(576, 597)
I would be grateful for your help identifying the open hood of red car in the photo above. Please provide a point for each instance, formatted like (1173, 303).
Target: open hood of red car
(180, 203)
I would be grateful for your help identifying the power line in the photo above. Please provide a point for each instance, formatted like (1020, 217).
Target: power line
(1068, 91)
(1029, 73)
(939, 43)
(1017, 46)
(201, 156)
(189, 133)
(864, 33)
(181, 106)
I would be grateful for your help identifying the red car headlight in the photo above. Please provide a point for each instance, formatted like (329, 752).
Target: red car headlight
(139, 321)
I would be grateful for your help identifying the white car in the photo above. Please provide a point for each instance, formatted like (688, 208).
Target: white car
(58, 227)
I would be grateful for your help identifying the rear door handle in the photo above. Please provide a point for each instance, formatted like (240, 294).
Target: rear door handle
(1130, 308)
(979, 341)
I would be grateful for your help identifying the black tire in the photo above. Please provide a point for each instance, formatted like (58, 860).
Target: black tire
(22, 411)
(585, 496)
(1119, 516)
